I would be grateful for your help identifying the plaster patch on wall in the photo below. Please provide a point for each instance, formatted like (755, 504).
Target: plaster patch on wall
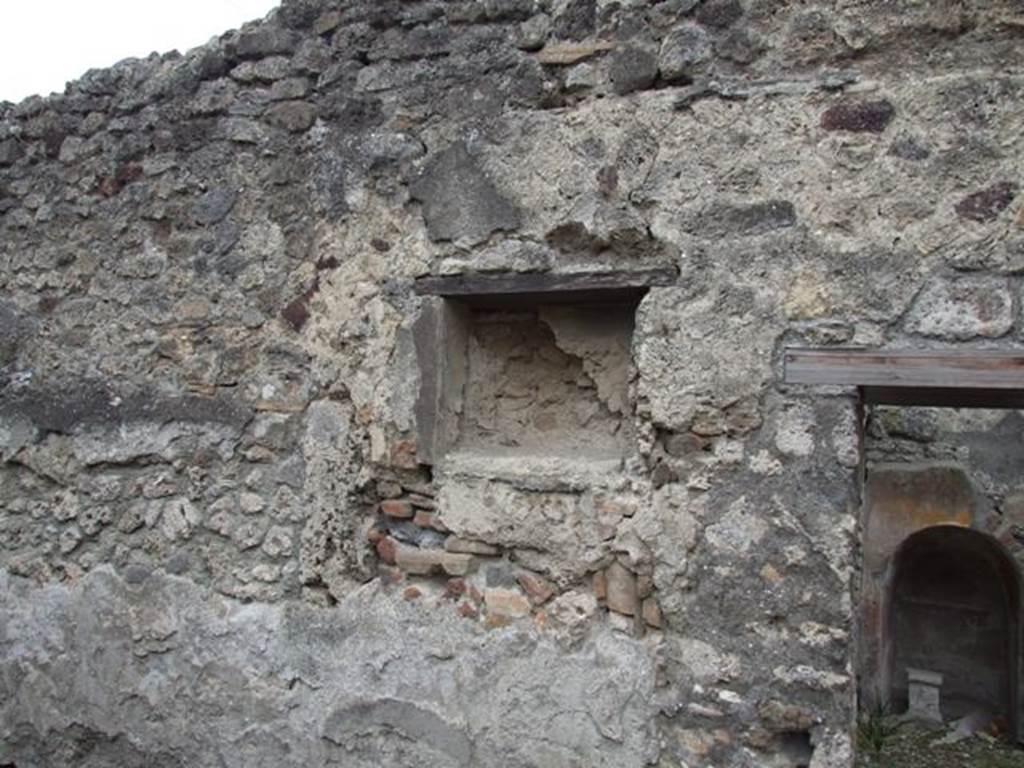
(547, 381)
(738, 530)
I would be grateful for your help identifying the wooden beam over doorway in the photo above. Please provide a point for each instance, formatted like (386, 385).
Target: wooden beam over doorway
(950, 378)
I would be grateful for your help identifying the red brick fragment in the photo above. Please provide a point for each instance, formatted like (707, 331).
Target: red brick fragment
(865, 116)
(455, 588)
(537, 588)
(387, 549)
(412, 593)
(396, 508)
(429, 520)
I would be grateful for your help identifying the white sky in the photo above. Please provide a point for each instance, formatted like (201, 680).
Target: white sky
(46, 43)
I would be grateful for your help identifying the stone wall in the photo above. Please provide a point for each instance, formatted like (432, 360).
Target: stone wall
(225, 539)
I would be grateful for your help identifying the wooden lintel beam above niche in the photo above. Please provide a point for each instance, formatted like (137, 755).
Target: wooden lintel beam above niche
(546, 287)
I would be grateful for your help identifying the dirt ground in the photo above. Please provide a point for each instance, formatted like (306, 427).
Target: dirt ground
(894, 744)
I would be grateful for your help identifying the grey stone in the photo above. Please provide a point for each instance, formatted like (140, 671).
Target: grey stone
(10, 152)
(409, 533)
(910, 148)
(214, 97)
(459, 200)
(719, 13)
(300, 14)
(209, 64)
(746, 220)
(214, 205)
(265, 40)
(136, 574)
(69, 539)
(248, 535)
(290, 88)
(293, 116)
(533, 32)
(500, 576)
(278, 542)
(576, 20)
(682, 49)
(739, 46)
(91, 403)
(262, 71)
(13, 330)
(432, 734)
(632, 69)
(581, 78)
(178, 564)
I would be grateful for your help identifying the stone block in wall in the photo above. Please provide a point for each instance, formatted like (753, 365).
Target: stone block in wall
(424, 562)
(962, 308)
(682, 49)
(986, 204)
(722, 219)
(265, 40)
(470, 547)
(508, 603)
(679, 387)
(292, 116)
(10, 152)
(652, 613)
(632, 69)
(396, 508)
(550, 530)
(621, 589)
(859, 117)
(460, 202)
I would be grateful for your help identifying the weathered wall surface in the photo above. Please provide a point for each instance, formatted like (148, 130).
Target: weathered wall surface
(161, 672)
(208, 375)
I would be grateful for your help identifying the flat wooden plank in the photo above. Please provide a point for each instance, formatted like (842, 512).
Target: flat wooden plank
(945, 369)
(561, 285)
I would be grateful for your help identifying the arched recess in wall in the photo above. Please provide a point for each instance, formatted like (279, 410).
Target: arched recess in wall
(915, 503)
(954, 608)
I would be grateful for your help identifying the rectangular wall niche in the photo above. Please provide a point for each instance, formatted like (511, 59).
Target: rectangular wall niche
(527, 365)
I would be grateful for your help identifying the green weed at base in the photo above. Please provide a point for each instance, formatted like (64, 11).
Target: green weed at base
(874, 729)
